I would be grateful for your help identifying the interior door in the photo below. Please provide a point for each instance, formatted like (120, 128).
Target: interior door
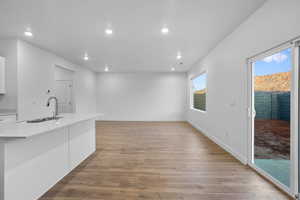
(64, 94)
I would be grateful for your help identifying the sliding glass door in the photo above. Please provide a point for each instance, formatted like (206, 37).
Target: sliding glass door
(272, 97)
(273, 117)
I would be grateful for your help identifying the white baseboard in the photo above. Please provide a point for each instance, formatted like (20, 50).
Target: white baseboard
(238, 156)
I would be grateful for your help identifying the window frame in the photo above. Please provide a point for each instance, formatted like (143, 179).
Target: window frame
(192, 91)
(294, 140)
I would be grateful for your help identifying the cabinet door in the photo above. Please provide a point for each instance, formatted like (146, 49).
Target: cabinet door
(82, 142)
(2, 75)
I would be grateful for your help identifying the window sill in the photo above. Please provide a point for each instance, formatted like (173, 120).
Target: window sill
(201, 111)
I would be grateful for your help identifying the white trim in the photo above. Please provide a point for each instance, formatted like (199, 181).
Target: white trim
(198, 110)
(295, 120)
(292, 41)
(271, 52)
(238, 156)
(250, 103)
(2, 170)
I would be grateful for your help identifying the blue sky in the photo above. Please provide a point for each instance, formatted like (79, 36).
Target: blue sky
(199, 82)
(278, 62)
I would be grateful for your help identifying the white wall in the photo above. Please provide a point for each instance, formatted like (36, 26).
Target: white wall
(36, 76)
(142, 96)
(226, 119)
(8, 49)
(63, 74)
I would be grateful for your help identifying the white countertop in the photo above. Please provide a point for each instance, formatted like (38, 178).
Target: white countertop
(25, 130)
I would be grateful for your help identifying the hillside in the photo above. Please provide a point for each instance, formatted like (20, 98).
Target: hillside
(279, 82)
(200, 91)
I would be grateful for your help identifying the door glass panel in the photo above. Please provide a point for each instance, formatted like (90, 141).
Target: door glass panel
(272, 97)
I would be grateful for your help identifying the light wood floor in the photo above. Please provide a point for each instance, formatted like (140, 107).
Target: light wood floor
(163, 161)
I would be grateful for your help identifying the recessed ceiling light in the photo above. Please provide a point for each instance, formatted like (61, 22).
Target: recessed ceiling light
(178, 56)
(106, 69)
(28, 33)
(85, 57)
(173, 69)
(164, 30)
(108, 31)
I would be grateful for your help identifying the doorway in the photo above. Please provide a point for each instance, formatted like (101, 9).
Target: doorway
(64, 89)
(64, 94)
(273, 118)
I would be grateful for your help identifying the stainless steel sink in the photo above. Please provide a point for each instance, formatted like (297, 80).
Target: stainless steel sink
(43, 119)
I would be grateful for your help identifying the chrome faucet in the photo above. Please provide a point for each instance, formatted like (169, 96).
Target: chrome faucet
(55, 113)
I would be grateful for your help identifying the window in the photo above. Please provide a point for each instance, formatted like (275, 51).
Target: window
(199, 92)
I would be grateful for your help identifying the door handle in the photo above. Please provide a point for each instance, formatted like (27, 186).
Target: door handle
(254, 113)
(251, 113)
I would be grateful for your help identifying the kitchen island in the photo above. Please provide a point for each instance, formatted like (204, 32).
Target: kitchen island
(35, 156)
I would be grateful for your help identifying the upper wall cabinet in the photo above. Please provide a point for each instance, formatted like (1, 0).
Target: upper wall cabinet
(2, 75)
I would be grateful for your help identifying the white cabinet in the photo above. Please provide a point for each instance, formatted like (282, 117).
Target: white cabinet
(31, 166)
(82, 142)
(34, 165)
(2, 75)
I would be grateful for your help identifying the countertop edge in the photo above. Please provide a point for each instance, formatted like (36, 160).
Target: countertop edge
(78, 118)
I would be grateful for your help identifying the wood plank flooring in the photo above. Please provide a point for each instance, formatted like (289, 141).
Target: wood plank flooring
(160, 161)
